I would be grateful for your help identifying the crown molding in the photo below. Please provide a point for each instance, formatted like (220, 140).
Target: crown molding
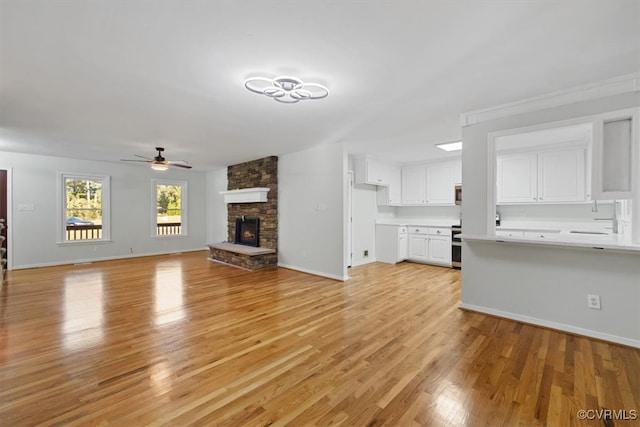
(601, 89)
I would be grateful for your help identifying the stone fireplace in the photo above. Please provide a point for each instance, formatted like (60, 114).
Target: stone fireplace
(252, 240)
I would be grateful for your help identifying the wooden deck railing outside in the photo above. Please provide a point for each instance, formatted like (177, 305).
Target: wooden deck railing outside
(94, 232)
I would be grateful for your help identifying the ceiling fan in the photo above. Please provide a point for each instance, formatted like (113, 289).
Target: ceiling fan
(159, 163)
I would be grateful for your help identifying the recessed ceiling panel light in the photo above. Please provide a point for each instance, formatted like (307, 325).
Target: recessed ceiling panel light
(450, 146)
(285, 89)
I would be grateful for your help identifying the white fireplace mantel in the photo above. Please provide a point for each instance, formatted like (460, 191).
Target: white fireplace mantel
(246, 195)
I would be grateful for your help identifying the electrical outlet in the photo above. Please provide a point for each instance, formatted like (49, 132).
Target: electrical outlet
(366, 252)
(593, 301)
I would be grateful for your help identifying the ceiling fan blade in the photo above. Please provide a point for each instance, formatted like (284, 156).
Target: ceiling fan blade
(143, 157)
(135, 160)
(178, 165)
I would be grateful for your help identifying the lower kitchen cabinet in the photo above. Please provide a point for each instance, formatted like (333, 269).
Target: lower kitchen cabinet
(418, 247)
(440, 250)
(430, 245)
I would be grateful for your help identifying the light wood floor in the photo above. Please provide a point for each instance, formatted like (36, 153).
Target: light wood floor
(179, 340)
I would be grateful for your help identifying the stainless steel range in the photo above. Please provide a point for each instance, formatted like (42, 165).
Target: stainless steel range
(456, 246)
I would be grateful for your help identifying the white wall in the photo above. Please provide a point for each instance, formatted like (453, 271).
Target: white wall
(364, 223)
(545, 286)
(216, 207)
(311, 210)
(34, 233)
(434, 212)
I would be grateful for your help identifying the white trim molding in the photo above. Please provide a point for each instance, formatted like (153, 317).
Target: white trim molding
(246, 195)
(614, 86)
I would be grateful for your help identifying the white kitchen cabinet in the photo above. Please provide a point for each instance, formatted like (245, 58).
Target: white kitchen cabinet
(430, 184)
(413, 185)
(403, 246)
(391, 195)
(440, 250)
(439, 185)
(561, 176)
(418, 247)
(517, 178)
(371, 171)
(430, 245)
(550, 176)
(615, 160)
(391, 243)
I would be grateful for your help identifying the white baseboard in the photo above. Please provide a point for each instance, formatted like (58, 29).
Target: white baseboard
(363, 262)
(111, 258)
(315, 273)
(552, 325)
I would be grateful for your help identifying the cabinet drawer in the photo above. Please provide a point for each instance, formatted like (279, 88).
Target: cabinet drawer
(439, 231)
(402, 230)
(418, 230)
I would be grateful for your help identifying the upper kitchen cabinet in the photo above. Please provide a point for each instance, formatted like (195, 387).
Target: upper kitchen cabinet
(391, 195)
(371, 171)
(549, 176)
(430, 184)
(413, 185)
(615, 141)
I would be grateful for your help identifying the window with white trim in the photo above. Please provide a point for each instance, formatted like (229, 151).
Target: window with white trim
(85, 206)
(169, 213)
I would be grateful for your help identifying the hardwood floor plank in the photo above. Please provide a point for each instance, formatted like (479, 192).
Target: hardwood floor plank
(178, 340)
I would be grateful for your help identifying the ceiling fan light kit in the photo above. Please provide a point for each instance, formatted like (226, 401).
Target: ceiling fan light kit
(159, 166)
(286, 89)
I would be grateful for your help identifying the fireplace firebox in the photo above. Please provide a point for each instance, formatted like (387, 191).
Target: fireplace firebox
(248, 231)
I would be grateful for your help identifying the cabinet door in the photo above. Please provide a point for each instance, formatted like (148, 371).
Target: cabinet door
(517, 178)
(403, 247)
(413, 180)
(440, 250)
(370, 171)
(418, 249)
(377, 172)
(561, 176)
(395, 185)
(439, 184)
(391, 195)
(615, 160)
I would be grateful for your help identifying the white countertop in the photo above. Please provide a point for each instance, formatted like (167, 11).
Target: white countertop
(613, 242)
(420, 222)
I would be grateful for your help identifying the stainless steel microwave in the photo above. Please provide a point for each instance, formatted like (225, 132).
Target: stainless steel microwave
(458, 193)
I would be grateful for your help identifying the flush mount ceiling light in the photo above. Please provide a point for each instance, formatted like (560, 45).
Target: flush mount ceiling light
(450, 146)
(285, 89)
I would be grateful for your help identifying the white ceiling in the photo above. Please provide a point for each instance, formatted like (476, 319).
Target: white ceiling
(109, 79)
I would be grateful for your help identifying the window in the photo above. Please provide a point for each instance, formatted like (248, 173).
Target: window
(169, 201)
(84, 208)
